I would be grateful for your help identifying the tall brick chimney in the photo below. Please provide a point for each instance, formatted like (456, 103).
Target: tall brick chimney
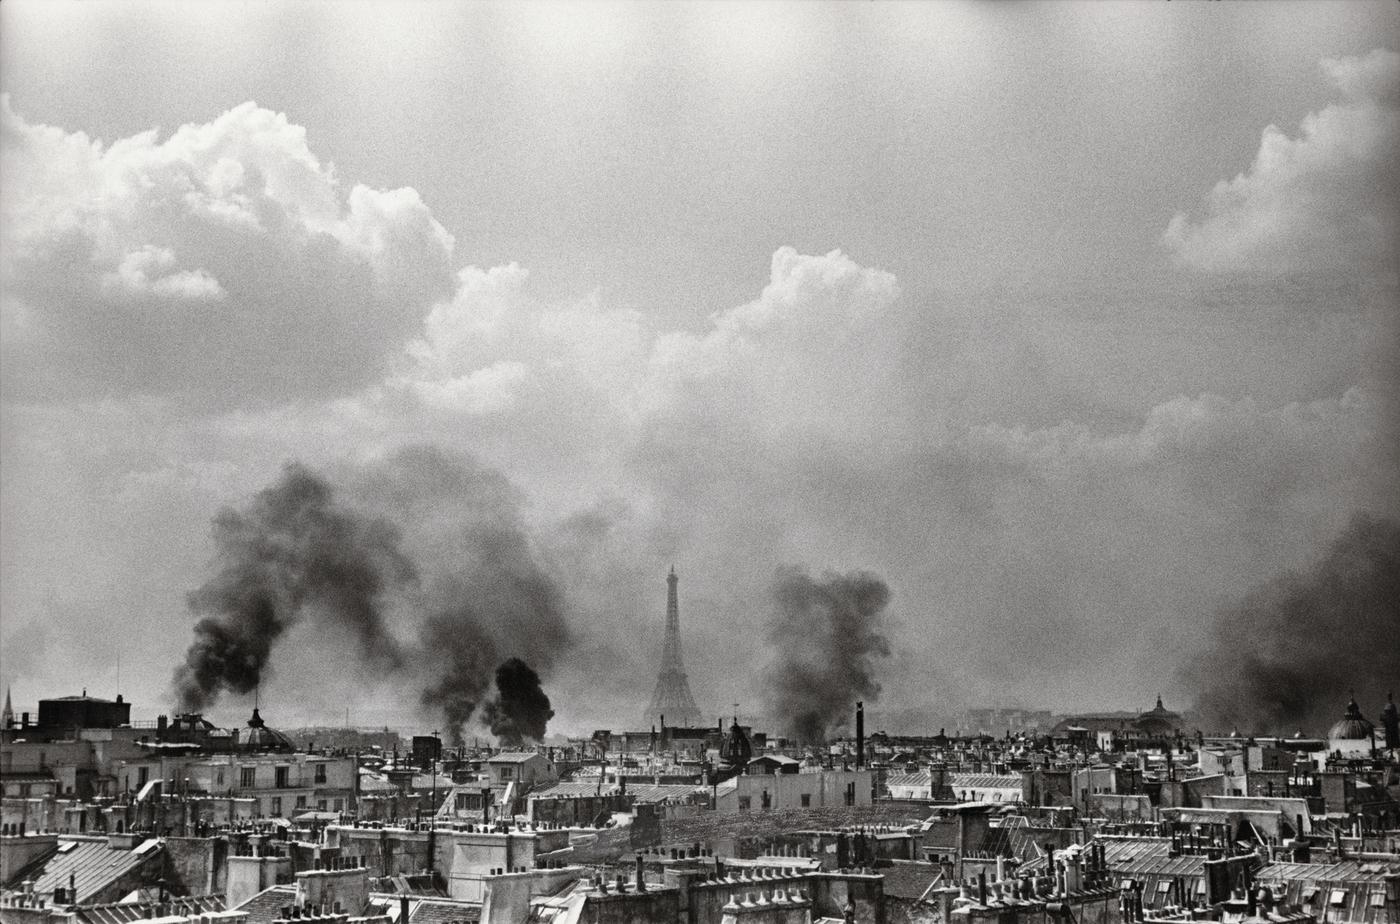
(860, 735)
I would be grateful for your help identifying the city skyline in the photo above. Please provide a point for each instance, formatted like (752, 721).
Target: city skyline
(1047, 351)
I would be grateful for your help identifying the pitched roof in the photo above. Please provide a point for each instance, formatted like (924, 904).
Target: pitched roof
(920, 779)
(370, 783)
(983, 781)
(780, 759)
(513, 757)
(267, 905)
(663, 792)
(125, 912)
(1348, 890)
(573, 790)
(1340, 871)
(92, 865)
(1133, 854)
(445, 911)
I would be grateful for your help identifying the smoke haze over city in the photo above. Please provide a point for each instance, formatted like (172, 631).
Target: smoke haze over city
(1049, 358)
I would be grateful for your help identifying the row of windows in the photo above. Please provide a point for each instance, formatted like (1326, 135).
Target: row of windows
(746, 802)
(337, 805)
(247, 776)
(281, 776)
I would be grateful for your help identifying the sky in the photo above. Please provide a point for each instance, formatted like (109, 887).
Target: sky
(1072, 322)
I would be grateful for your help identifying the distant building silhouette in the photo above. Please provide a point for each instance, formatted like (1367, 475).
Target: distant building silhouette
(671, 703)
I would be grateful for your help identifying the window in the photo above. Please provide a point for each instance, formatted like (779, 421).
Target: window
(338, 805)
(320, 773)
(1339, 898)
(219, 777)
(276, 805)
(142, 775)
(301, 802)
(248, 777)
(743, 803)
(282, 775)
(806, 800)
(507, 772)
(320, 805)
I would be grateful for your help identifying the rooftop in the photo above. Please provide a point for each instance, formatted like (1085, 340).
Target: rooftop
(512, 757)
(92, 864)
(124, 912)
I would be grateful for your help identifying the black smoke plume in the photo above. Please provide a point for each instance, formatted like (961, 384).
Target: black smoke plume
(1289, 655)
(460, 670)
(520, 712)
(465, 558)
(827, 637)
(292, 552)
(497, 599)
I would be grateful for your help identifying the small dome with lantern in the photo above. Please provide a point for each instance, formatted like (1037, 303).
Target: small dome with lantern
(1353, 736)
(258, 737)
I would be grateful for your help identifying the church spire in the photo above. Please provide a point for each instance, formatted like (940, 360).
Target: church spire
(7, 715)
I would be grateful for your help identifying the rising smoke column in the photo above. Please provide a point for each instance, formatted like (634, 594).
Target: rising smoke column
(827, 637)
(501, 601)
(293, 551)
(460, 657)
(467, 560)
(489, 592)
(520, 711)
(1289, 654)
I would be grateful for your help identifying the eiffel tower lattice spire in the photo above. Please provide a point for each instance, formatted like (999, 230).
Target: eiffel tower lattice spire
(672, 699)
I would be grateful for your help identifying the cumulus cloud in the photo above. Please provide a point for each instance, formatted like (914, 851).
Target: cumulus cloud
(787, 429)
(150, 271)
(816, 345)
(1037, 489)
(1323, 200)
(224, 261)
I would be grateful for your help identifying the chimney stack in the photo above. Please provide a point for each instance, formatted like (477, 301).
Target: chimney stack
(860, 735)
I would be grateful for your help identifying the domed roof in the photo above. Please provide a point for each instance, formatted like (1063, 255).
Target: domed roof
(735, 750)
(258, 737)
(1353, 726)
(1160, 710)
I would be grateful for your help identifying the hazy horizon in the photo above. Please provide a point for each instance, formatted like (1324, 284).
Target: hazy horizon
(1073, 325)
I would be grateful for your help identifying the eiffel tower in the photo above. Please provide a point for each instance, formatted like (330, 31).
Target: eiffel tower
(672, 698)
